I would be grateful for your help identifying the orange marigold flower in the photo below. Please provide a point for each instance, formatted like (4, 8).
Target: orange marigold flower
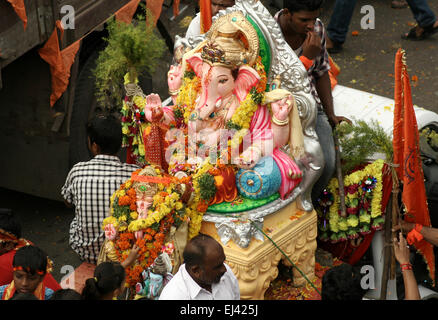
(131, 192)
(202, 206)
(133, 206)
(124, 200)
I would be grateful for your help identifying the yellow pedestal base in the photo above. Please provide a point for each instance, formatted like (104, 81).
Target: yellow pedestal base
(294, 231)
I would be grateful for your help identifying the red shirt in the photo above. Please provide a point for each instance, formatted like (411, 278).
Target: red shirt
(6, 272)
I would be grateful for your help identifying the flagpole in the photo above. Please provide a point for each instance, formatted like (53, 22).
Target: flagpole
(205, 12)
(340, 177)
(387, 250)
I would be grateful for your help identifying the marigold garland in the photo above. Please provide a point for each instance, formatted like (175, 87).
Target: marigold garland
(166, 211)
(133, 124)
(363, 202)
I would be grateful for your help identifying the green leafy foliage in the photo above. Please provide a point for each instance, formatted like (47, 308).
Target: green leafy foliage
(132, 48)
(359, 141)
(207, 186)
(431, 137)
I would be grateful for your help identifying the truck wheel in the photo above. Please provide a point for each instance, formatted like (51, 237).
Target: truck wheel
(84, 108)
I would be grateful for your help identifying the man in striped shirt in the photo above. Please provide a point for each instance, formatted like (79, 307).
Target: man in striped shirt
(89, 186)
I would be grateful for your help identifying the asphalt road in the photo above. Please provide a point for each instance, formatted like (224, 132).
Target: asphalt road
(367, 63)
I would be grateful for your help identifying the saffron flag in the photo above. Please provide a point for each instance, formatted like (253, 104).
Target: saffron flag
(126, 13)
(60, 62)
(407, 156)
(176, 8)
(205, 11)
(20, 10)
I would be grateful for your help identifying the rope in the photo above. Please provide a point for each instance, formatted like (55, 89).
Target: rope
(134, 90)
(284, 254)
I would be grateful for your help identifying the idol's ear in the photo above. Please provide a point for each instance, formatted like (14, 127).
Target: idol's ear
(246, 79)
(195, 61)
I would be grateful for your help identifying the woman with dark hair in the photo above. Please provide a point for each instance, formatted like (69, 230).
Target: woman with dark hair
(29, 267)
(107, 284)
(66, 294)
(10, 242)
(342, 283)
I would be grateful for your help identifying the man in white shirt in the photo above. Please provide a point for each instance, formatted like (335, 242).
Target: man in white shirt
(194, 28)
(204, 275)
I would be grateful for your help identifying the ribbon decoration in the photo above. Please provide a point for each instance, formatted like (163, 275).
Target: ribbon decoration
(60, 61)
(20, 10)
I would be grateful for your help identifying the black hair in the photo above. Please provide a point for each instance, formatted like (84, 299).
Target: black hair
(32, 259)
(196, 249)
(108, 276)
(302, 5)
(66, 294)
(106, 132)
(342, 283)
(24, 296)
(9, 223)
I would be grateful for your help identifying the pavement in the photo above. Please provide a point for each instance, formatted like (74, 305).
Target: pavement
(367, 63)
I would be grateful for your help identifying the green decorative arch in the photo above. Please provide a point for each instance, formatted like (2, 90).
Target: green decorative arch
(265, 49)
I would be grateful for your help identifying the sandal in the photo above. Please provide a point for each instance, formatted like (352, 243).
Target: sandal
(336, 48)
(412, 34)
(431, 29)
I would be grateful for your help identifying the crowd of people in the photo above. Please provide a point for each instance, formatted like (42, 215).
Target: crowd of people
(25, 268)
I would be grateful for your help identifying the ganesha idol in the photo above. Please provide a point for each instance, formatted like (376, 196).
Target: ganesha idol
(239, 129)
(228, 122)
(222, 114)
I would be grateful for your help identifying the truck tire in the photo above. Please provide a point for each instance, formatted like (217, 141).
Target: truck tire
(85, 106)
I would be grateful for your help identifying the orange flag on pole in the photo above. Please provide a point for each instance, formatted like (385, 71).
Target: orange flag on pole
(60, 62)
(176, 8)
(205, 11)
(20, 10)
(407, 156)
(126, 13)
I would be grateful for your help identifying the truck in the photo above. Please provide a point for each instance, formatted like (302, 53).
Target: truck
(40, 143)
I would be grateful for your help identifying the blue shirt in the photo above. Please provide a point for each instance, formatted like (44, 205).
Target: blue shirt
(47, 294)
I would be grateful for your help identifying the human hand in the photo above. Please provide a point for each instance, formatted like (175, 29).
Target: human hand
(401, 250)
(174, 79)
(153, 102)
(281, 108)
(405, 227)
(335, 120)
(312, 45)
(133, 255)
(249, 158)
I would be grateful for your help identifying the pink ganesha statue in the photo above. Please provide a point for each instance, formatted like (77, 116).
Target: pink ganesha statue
(228, 133)
(229, 81)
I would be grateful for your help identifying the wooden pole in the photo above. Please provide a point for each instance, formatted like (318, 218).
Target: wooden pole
(340, 177)
(387, 249)
(395, 217)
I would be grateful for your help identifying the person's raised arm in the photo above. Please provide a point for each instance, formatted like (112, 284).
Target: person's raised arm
(429, 234)
(401, 252)
(324, 89)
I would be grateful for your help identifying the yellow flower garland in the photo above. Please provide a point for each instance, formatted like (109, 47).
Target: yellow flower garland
(375, 170)
(187, 95)
(192, 210)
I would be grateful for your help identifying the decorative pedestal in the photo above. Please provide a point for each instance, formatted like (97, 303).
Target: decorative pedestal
(294, 231)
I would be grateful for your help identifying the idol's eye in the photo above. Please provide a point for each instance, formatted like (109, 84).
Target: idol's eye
(211, 116)
(223, 81)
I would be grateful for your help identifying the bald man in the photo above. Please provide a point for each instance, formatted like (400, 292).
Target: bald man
(204, 274)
